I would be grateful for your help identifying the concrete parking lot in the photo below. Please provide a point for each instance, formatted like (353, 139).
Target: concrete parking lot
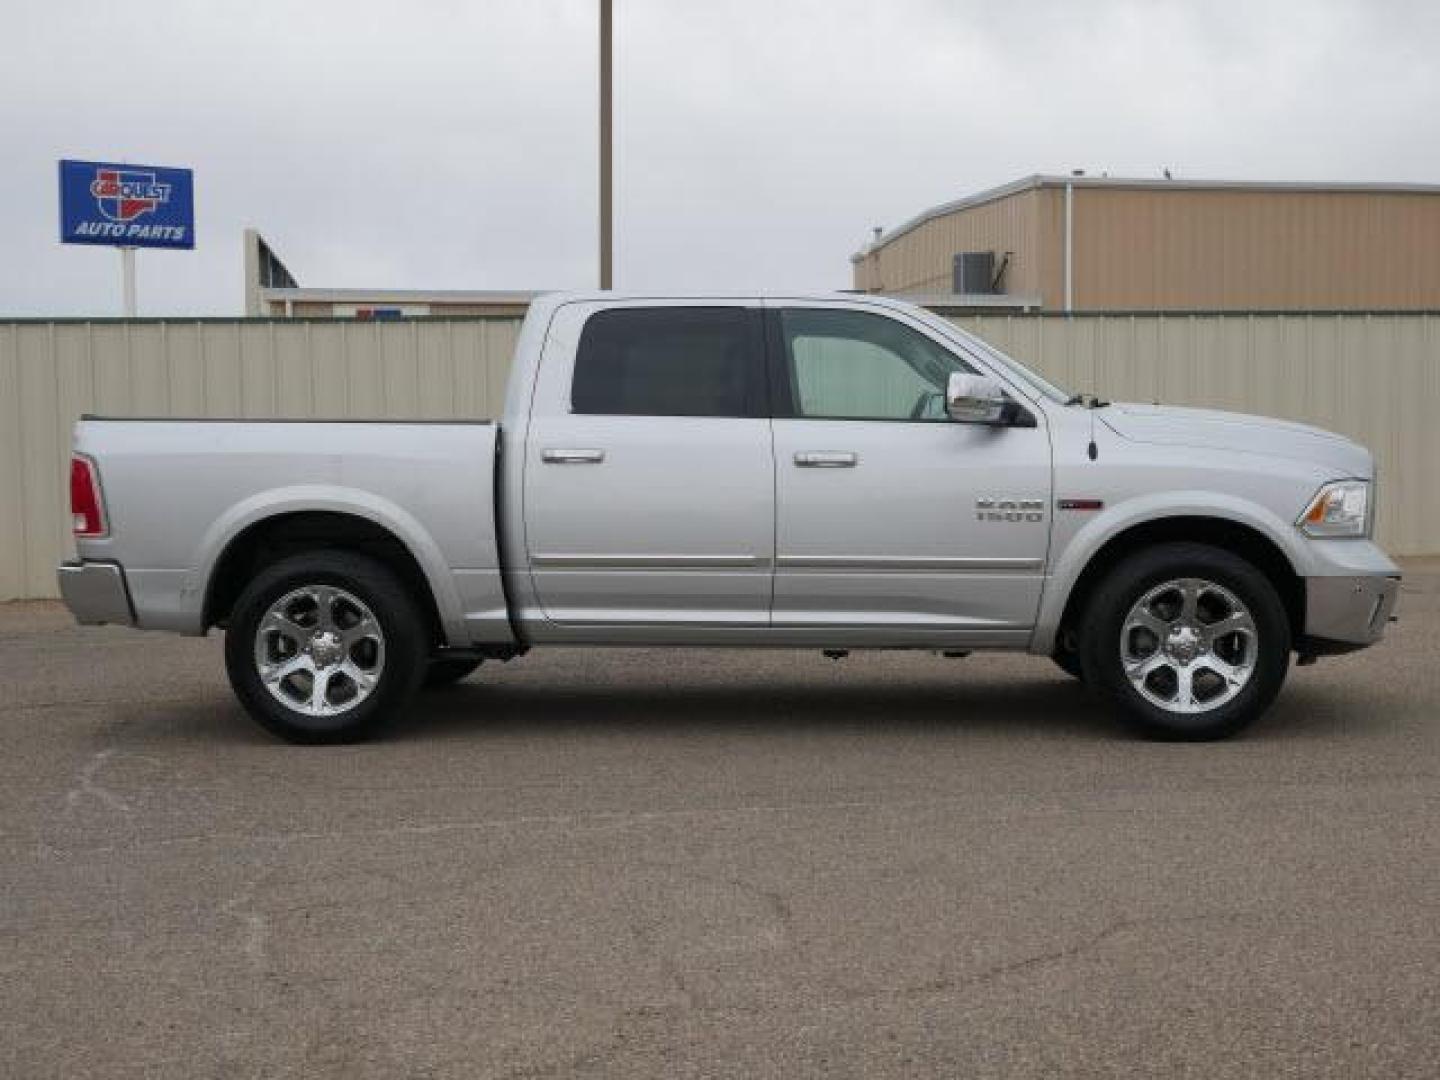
(635, 863)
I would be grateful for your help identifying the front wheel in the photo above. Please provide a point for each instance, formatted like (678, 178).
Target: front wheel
(325, 647)
(1191, 640)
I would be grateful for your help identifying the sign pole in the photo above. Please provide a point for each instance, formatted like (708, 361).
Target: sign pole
(606, 160)
(127, 280)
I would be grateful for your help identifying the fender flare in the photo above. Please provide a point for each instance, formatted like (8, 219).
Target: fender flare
(314, 498)
(1082, 548)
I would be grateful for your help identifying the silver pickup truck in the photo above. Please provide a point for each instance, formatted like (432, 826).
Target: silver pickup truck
(824, 472)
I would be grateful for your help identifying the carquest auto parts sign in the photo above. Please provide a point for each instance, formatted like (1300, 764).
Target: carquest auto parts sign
(126, 205)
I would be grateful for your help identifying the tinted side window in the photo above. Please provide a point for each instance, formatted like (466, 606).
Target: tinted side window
(853, 365)
(670, 361)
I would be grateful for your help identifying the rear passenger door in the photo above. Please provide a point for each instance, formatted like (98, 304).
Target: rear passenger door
(649, 473)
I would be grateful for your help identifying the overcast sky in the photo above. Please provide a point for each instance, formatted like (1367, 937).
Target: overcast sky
(452, 145)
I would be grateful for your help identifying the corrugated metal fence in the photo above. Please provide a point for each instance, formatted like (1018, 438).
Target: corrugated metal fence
(1376, 378)
(50, 373)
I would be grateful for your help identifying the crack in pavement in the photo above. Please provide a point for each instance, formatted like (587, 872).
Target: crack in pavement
(89, 786)
(254, 924)
(1046, 958)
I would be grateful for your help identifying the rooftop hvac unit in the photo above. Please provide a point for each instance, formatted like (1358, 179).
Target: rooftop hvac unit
(975, 272)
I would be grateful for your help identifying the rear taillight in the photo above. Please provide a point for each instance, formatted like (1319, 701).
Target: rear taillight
(86, 506)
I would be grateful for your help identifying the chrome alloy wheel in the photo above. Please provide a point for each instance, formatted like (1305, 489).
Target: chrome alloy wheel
(1189, 646)
(319, 650)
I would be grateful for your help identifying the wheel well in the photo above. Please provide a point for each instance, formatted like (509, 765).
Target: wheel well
(1249, 544)
(274, 538)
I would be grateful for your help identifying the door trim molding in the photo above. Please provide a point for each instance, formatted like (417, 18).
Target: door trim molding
(646, 562)
(903, 563)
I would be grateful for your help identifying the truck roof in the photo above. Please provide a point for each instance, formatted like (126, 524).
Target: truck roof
(553, 300)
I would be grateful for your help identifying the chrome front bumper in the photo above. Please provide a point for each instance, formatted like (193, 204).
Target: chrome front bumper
(95, 593)
(1352, 609)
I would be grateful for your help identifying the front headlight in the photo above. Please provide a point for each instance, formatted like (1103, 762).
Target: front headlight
(1340, 509)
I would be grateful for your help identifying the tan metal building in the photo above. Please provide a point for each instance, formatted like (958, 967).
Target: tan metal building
(272, 292)
(1086, 243)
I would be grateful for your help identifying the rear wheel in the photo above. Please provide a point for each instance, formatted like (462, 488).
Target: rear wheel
(325, 647)
(1191, 640)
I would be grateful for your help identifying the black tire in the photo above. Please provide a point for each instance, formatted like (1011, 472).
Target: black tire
(445, 672)
(1069, 662)
(405, 645)
(1130, 582)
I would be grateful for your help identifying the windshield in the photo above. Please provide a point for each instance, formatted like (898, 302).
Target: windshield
(1013, 368)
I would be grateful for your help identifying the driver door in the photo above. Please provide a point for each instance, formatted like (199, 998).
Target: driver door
(886, 519)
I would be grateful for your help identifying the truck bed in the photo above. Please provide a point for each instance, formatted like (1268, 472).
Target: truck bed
(180, 492)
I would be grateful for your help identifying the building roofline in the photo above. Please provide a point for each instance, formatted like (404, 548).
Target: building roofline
(959, 301)
(401, 296)
(994, 194)
(1005, 300)
(1041, 180)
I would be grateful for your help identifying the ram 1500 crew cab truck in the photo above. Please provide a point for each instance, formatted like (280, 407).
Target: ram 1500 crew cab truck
(827, 472)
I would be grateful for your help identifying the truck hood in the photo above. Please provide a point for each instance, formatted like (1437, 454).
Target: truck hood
(1209, 429)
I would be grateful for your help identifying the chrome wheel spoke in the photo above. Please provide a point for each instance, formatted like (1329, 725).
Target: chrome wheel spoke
(325, 598)
(1189, 602)
(1185, 689)
(1235, 622)
(1148, 620)
(1233, 674)
(364, 630)
(1139, 670)
(278, 622)
(320, 691)
(363, 680)
(274, 674)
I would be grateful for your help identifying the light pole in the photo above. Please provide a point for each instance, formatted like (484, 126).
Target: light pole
(606, 157)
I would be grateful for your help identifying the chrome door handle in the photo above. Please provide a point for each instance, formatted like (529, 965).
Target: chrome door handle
(572, 457)
(817, 460)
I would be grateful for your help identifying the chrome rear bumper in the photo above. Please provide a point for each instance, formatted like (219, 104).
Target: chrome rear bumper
(95, 593)
(1352, 609)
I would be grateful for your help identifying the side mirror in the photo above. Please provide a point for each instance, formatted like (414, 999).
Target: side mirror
(975, 399)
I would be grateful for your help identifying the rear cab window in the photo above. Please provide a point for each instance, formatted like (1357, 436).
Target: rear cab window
(671, 361)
